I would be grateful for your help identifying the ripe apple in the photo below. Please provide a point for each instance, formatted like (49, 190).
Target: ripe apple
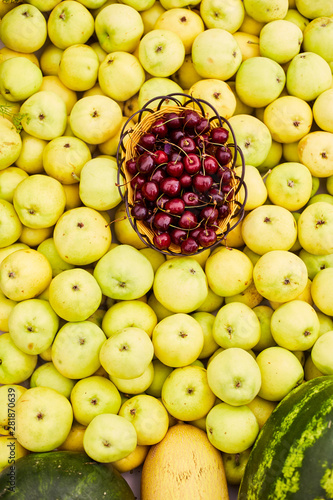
(129, 313)
(6, 307)
(9, 394)
(155, 257)
(12, 86)
(311, 10)
(149, 417)
(158, 86)
(265, 11)
(75, 349)
(78, 68)
(136, 385)
(280, 275)
(16, 365)
(47, 248)
(10, 143)
(127, 354)
(45, 115)
(320, 353)
(321, 291)
(217, 93)
(93, 396)
(280, 40)
(256, 188)
(81, 236)
(10, 224)
(300, 80)
(118, 27)
(43, 419)
(161, 52)
(123, 228)
(23, 29)
(231, 429)
(314, 151)
(178, 340)
(109, 437)
(321, 108)
(314, 228)
(315, 263)
(191, 290)
(186, 393)
(30, 158)
(264, 314)
(216, 54)
(234, 465)
(228, 16)
(95, 118)
(10, 451)
(289, 185)
(281, 371)
(206, 320)
(46, 375)
(161, 372)
(74, 294)
(10, 177)
(69, 23)
(249, 44)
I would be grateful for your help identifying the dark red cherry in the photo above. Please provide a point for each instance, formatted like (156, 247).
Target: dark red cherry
(188, 220)
(178, 235)
(150, 190)
(187, 144)
(175, 168)
(162, 240)
(172, 120)
(203, 126)
(209, 214)
(202, 182)
(185, 180)
(159, 128)
(158, 175)
(223, 155)
(191, 199)
(176, 135)
(131, 166)
(216, 196)
(170, 186)
(202, 141)
(175, 156)
(189, 246)
(190, 118)
(160, 157)
(207, 237)
(138, 181)
(162, 200)
(138, 196)
(219, 135)
(139, 211)
(145, 163)
(147, 141)
(162, 221)
(175, 206)
(195, 233)
(192, 163)
(223, 210)
(225, 175)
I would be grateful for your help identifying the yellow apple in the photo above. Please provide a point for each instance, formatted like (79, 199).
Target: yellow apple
(217, 93)
(53, 83)
(186, 23)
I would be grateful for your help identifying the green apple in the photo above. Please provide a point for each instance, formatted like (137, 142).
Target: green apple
(174, 4)
(120, 75)
(75, 349)
(23, 29)
(259, 81)
(69, 23)
(211, 303)
(9, 394)
(253, 137)
(12, 86)
(216, 54)
(6, 307)
(49, 59)
(186, 23)
(186, 76)
(161, 372)
(78, 68)
(315, 152)
(294, 16)
(150, 16)
(44, 115)
(39, 201)
(74, 294)
(228, 271)
(321, 108)
(266, 11)
(44, 5)
(10, 224)
(10, 143)
(256, 188)
(280, 275)
(47, 248)
(288, 118)
(234, 376)
(99, 184)
(161, 52)
(118, 27)
(136, 385)
(318, 38)
(206, 320)
(314, 228)
(250, 297)
(231, 429)
(32, 325)
(281, 371)
(216, 93)
(295, 325)
(264, 314)
(148, 416)
(321, 291)
(7, 250)
(315, 263)
(139, 5)
(321, 353)
(46, 375)
(24, 274)
(10, 177)
(289, 185)
(191, 290)
(93, 396)
(228, 15)
(234, 465)
(160, 311)
(158, 86)
(43, 419)
(186, 393)
(300, 76)
(30, 158)
(325, 323)
(236, 325)
(155, 257)
(178, 340)
(280, 40)
(81, 236)
(312, 10)
(109, 437)
(95, 118)
(127, 354)
(269, 227)
(16, 366)
(124, 273)
(64, 158)
(328, 198)
(129, 313)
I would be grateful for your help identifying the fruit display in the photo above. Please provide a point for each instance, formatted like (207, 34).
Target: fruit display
(166, 249)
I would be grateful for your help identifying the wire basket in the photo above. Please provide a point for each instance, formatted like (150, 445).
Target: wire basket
(127, 149)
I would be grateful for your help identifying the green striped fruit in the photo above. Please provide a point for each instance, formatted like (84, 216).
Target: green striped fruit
(292, 458)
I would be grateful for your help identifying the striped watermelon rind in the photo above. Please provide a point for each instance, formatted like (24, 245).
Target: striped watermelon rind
(292, 458)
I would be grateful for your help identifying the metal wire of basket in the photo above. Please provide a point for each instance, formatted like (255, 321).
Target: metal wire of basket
(129, 138)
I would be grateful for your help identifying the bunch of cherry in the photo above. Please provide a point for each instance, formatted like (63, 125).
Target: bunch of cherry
(181, 180)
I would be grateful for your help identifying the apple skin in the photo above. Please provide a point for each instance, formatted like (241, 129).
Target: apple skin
(312, 10)
(314, 150)
(280, 40)
(11, 226)
(11, 85)
(129, 313)
(314, 228)
(78, 69)
(217, 93)
(320, 110)
(10, 143)
(234, 465)
(227, 15)
(23, 29)
(161, 52)
(16, 366)
(321, 291)
(265, 11)
(301, 69)
(320, 353)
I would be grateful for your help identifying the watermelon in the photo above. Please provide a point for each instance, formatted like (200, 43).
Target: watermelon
(62, 475)
(292, 458)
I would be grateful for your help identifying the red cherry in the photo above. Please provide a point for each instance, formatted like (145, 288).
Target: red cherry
(202, 182)
(209, 214)
(223, 155)
(138, 181)
(178, 235)
(207, 237)
(139, 211)
(192, 163)
(162, 221)
(188, 220)
(145, 163)
(189, 246)
(210, 165)
(172, 120)
(175, 168)
(175, 206)
(162, 200)
(190, 118)
(159, 128)
(223, 211)
(187, 144)
(150, 190)
(158, 175)
(219, 135)
(203, 126)
(131, 166)
(147, 141)
(162, 240)
(170, 186)
(160, 156)
(191, 199)
(185, 180)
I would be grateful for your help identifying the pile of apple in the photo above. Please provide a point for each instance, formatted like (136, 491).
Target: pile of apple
(106, 342)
